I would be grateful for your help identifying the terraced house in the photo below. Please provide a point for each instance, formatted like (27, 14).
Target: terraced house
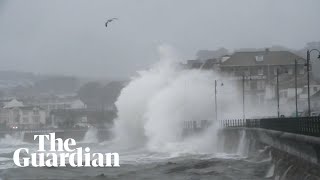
(260, 69)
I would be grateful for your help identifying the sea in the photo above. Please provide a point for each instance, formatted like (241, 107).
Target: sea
(140, 163)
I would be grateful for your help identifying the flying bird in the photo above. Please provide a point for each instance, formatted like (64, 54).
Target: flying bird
(110, 20)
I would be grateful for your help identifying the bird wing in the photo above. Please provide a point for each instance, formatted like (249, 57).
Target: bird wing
(109, 20)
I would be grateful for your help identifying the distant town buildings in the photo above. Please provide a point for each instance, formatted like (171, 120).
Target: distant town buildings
(260, 70)
(55, 102)
(37, 112)
(15, 115)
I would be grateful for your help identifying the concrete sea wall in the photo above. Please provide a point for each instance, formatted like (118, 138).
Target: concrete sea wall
(293, 156)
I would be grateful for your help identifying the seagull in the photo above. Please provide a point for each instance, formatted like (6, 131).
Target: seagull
(110, 20)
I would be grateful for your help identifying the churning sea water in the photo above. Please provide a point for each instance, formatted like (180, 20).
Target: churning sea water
(143, 164)
(147, 133)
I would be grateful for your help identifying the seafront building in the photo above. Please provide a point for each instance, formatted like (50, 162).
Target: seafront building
(15, 115)
(260, 71)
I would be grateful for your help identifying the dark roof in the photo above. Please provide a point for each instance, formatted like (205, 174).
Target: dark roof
(210, 63)
(269, 58)
(194, 64)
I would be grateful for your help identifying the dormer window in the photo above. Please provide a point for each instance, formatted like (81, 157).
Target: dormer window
(259, 58)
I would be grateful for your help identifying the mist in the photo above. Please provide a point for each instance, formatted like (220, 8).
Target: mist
(69, 37)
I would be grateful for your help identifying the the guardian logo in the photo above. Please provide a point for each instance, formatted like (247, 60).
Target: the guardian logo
(61, 153)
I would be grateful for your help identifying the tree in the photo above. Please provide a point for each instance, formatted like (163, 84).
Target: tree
(59, 84)
(91, 94)
(100, 97)
(110, 93)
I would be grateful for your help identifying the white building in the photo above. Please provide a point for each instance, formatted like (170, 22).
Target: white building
(15, 115)
(60, 103)
(287, 95)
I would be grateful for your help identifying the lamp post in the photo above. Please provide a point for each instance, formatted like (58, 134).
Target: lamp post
(243, 102)
(215, 99)
(296, 84)
(308, 76)
(278, 89)
(278, 99)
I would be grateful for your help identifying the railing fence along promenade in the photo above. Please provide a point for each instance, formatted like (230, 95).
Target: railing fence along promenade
(301, 125)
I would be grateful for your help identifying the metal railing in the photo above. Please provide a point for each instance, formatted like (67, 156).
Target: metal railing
(302, 125)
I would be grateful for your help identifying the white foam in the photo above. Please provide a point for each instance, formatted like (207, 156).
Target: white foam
(12, 140)
(270, 172)
(154, 105)
(91, 135)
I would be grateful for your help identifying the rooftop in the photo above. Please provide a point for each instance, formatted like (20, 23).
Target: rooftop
(262, 58)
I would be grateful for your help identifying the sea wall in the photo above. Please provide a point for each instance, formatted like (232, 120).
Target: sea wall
(293, 156)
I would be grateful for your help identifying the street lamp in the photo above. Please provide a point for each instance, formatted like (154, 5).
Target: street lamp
(296, 83)
(308, 71)
(243, 96)
(215, 98)
(278, 94)
(243, 101)
(278, 98)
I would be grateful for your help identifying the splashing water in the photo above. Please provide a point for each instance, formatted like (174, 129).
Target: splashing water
(154, 105)
(243, 145)
(11, 140)
(91, 135)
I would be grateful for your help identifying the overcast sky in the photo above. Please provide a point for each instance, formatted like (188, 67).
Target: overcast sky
(69, 37)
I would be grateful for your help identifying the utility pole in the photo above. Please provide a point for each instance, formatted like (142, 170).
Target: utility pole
(296, 84)
(308, 77)
(243, 102)
(215, 99)
(308, 71)
(278, 98)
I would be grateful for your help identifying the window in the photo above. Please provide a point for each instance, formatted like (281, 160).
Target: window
(315, 89)
(36, 111)
(36, 119)
(301, 70)
(275, 71)
(260, 71)
(253, 85)
(25, 119)
(261, 98)
(24, 112)
(247, 84)
(259, 58)
(284, 94)
(290, 71)
(260, 85)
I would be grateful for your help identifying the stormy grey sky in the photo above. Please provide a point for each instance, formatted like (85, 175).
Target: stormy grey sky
(69, 37)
